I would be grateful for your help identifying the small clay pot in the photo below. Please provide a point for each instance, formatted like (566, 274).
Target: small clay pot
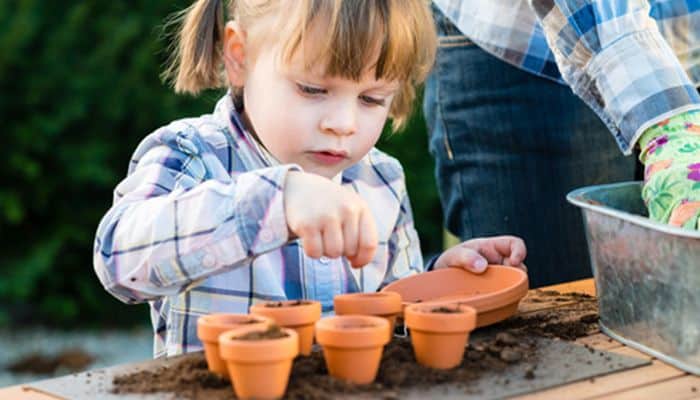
(380, 304)
(352, 345)
(439, 332)
(259, 368)
(209, 327)
(300, 315)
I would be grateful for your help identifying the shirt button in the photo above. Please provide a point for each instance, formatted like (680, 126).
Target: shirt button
(208, 261)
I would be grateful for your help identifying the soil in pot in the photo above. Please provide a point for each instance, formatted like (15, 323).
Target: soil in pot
(439, 333)
(259, 359)
(278, 304)
(210, 326)
(446, 310)
(300, 315)
(272, 332)
(353, 345)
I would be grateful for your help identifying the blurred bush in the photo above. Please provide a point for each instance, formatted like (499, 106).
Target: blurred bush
(79, 88)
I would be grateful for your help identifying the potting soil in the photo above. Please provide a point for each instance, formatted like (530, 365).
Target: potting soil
(524, 353)
(272, 332)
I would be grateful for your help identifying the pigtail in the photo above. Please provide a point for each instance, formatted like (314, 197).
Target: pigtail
(195, 63)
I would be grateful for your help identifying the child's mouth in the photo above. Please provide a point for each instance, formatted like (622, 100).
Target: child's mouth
(328, 157)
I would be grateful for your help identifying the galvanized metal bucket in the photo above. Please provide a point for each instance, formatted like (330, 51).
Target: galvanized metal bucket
(647, 274)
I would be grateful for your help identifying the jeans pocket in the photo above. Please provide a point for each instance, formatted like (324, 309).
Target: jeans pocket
(448, 34)
(450, 86)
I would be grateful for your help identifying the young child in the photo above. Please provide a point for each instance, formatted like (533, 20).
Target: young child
(279, 192)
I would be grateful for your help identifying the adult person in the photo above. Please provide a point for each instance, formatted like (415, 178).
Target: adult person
(521, 103)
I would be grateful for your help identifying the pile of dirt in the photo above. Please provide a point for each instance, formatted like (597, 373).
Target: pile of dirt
(189, 377)
(568, 322)
(511, 342)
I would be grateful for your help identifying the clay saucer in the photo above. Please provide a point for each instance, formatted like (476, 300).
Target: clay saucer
(495, 294)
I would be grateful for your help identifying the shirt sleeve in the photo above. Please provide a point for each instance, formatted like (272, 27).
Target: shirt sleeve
(404, 253)
(179, 217)
(612, 55)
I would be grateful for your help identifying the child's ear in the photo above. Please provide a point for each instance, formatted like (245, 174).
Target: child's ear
(234, 53)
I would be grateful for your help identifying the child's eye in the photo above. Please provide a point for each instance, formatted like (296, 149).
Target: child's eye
(310, 90)
(372, 100)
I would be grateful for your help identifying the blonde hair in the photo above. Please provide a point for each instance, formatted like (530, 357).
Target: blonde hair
(402, 30)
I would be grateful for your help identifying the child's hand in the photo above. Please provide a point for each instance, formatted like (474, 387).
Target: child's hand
(330, 220)
(474, 255)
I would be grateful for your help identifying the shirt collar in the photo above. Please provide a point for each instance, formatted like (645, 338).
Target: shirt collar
(226, 112)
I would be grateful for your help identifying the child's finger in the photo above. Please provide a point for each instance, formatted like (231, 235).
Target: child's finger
(486, 249)
(518, 252)
(312, 242)
(332, 239)
(521, 266)
(476, 262)
(367, 241)
(468, 259)
(350, 235)
(510, 248)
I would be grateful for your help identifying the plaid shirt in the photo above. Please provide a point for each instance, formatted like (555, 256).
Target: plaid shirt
(634, 62)
(198, 226)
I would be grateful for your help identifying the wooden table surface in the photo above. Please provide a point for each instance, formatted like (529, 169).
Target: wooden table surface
(656, 381)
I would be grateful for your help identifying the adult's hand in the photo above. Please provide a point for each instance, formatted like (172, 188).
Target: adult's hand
(671, 156)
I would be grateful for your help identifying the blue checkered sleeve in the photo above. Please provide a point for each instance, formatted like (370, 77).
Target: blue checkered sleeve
(613, 56)
(179, 217)
(404, 254)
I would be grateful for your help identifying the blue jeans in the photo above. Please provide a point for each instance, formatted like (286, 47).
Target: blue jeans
(508, 147)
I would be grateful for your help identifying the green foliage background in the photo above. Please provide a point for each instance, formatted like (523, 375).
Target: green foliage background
(79, 88)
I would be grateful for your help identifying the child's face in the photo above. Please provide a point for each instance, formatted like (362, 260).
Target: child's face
(325, 124)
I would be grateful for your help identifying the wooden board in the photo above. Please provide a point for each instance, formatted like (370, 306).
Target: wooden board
(586, 286)
(599, 386)
(685, 387)
(24, 393)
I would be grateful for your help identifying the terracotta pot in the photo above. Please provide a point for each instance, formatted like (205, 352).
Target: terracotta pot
(209, 327)
(259, 369)
(353, 345)
(292, 314)
(380, 304)
(439, 338)
(495, 294)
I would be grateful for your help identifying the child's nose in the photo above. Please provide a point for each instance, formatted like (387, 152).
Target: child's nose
(340, 120)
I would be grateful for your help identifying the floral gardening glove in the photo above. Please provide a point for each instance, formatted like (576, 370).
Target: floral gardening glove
(671, 157)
